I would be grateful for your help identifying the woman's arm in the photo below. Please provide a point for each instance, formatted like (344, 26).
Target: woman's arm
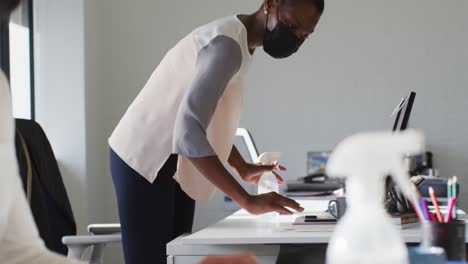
(249, 172)
(236, 160)
(212, 168)
(216, 65)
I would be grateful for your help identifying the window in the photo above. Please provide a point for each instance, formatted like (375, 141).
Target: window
(17, 59)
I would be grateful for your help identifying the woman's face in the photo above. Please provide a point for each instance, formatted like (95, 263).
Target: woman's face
(6, 7)
(300, 16)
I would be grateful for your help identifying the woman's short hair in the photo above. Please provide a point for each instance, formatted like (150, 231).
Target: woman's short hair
(319, 4)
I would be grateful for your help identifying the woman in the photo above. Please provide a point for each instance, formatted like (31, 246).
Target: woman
(183, 124)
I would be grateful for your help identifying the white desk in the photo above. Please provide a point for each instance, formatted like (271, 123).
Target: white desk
(243, 232)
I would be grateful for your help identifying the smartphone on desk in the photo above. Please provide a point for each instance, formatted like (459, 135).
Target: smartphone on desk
(315, 220)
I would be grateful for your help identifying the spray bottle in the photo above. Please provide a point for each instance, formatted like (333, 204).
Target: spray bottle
(268, 183)
(365, 234)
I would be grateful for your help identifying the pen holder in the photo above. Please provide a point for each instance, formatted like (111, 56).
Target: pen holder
(423, 255)
(450, 236)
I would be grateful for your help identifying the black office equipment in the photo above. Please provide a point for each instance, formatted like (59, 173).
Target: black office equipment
(313, 178)
(395, 200)
(319, 221)
(323, 186)
(403, 113)
(438, 184)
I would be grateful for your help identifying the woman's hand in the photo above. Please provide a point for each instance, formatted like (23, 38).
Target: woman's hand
(251, 173)
(214, 171)
(236, 259)
(270, 202)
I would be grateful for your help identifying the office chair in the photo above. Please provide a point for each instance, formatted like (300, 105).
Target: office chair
(43, 185)
(90, 248)
(49, 201)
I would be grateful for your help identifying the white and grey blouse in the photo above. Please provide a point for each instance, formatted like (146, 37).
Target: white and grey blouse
(190, 106)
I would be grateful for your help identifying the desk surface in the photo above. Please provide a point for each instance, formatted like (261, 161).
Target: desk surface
(243, 228)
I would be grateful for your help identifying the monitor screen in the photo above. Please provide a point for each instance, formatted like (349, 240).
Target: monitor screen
(402, 112)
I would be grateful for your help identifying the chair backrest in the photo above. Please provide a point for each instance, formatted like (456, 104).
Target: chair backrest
(250, 144)
(50, 206)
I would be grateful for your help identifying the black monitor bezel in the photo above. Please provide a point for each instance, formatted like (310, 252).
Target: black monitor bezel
(401, 124)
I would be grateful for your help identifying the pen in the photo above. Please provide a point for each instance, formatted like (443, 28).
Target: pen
(454, 195)
(440, 218)
(448, 216)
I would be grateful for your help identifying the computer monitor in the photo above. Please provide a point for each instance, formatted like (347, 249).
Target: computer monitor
(396, 201)
(403, 112)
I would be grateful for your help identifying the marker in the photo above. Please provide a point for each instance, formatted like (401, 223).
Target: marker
(417, 209)
(416, 197)
(454, 195)
(425, 210)
(440, 218)
(432, 216)
(448, 216)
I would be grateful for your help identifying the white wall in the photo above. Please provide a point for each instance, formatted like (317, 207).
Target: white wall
(365, 55)
(60, 97)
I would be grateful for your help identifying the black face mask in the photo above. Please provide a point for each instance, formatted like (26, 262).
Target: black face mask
(281, 42)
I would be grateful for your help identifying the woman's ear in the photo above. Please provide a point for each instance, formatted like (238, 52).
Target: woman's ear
(268, 6)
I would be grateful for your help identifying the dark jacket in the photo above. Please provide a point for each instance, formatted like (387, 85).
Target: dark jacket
(50, 205)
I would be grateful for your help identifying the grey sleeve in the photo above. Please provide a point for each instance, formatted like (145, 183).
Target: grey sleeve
(216, 64)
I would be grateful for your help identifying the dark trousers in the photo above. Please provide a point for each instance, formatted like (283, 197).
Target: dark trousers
(151, 214)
